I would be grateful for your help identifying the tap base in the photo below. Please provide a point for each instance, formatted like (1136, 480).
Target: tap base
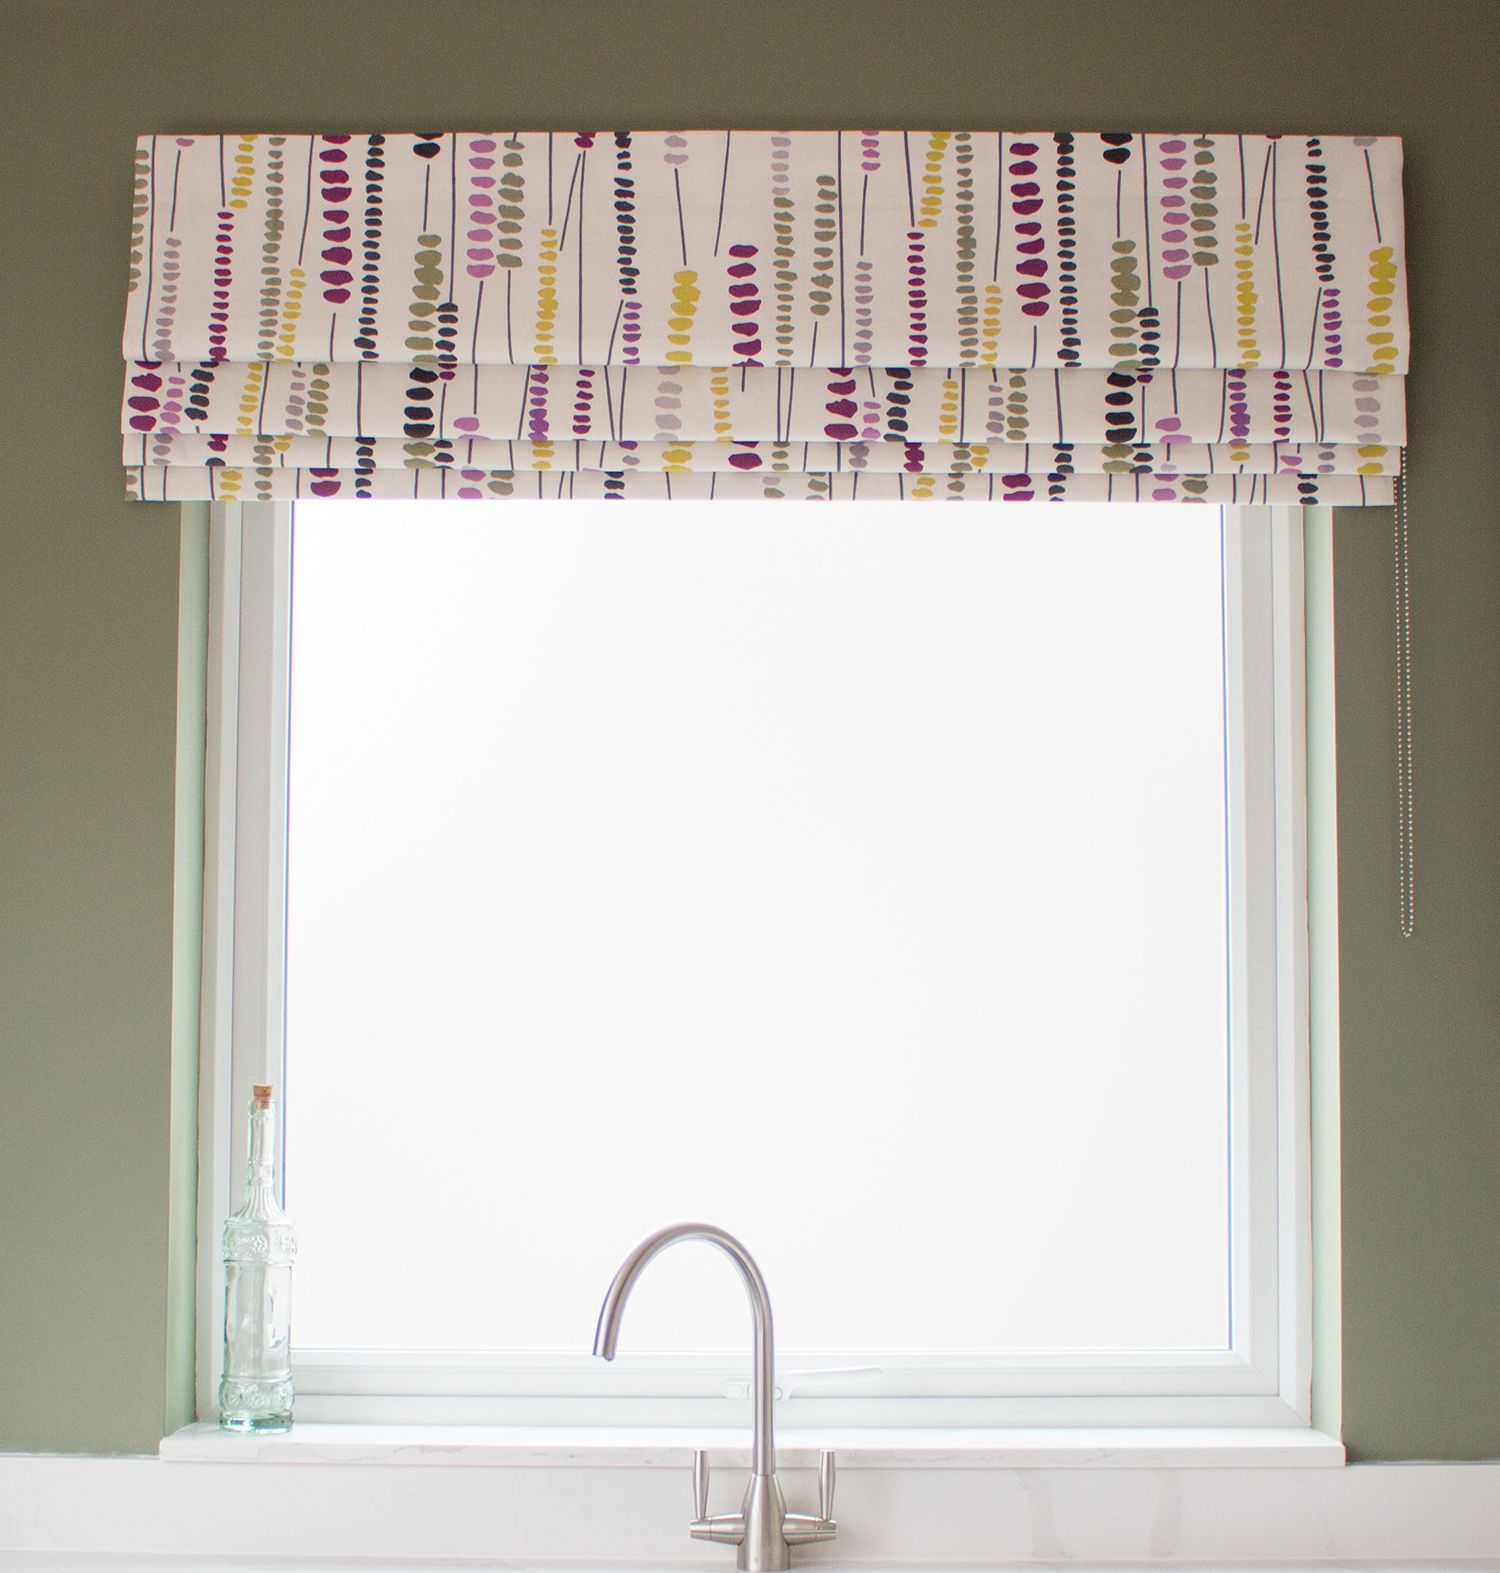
(763, 1532)
(764, 1548)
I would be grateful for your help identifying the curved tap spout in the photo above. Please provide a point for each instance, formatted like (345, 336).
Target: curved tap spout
(608, 1333)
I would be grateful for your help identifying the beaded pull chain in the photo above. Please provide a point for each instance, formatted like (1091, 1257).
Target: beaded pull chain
(1406, 805)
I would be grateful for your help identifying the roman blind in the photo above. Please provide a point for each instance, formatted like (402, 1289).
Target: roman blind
(811, 315)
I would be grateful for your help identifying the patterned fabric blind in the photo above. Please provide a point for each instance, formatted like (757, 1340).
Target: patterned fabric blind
(826, 315)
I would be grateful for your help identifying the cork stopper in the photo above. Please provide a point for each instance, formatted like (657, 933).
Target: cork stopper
(262, 1093)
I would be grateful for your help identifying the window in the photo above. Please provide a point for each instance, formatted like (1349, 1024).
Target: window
(918, 893)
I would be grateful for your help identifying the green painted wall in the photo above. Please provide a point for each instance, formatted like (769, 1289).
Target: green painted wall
(89, 589)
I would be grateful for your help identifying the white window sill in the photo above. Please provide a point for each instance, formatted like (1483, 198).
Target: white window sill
(321, 1442)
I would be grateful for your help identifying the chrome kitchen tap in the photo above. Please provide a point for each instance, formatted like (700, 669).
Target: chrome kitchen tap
(763, 1529)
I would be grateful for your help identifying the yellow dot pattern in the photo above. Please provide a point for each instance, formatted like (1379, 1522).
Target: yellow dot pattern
(718, 386)
(1382, 342)
(291, 310)
(989, 327)
(546, 298)
(1246, 298)
(249, 400)
(948, 410)
(930, 203)
(685, 294)
(242, 182)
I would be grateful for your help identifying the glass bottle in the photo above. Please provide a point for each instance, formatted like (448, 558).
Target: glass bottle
(259, 1244)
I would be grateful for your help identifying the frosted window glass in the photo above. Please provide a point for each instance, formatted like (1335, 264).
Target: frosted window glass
(851, 876)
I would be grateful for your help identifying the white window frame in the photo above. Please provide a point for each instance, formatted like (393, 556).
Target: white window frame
(1262, 1380)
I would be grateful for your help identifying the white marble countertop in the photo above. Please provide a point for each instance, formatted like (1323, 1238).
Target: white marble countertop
(564, 1512)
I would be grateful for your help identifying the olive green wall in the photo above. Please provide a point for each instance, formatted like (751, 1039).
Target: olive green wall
(89, 588)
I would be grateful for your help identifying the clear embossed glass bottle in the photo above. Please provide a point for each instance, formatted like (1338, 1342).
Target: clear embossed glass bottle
(259, 1245)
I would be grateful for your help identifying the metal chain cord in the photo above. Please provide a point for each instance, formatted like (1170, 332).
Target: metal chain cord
(1406, 806)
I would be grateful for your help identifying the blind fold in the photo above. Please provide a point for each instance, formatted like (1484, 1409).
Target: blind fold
(996, 316)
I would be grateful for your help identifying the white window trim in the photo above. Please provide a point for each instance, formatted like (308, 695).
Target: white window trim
(1263, 1380)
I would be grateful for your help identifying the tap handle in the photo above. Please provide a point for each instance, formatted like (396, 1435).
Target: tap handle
(727, 1529)
(801, 1529)
(724, 1529)
(700, 1483)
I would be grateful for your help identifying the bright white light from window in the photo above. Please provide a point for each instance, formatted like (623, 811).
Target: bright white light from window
(851, 876)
